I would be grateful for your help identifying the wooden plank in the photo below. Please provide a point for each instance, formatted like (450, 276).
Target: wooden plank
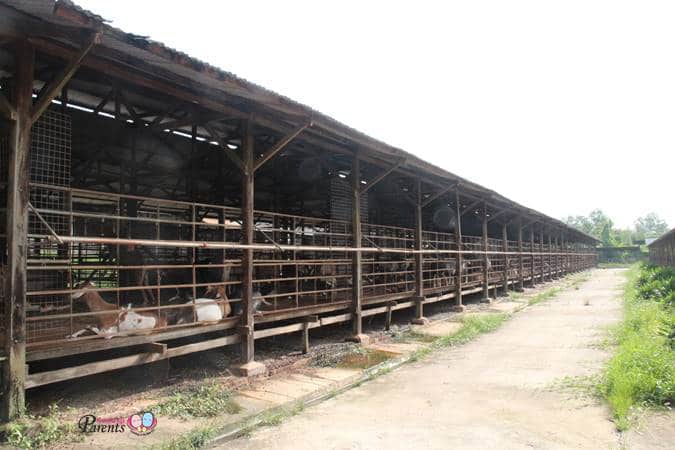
(54, 376)
(52, 89)
(201, 346)
(14, 374)
(38, 353)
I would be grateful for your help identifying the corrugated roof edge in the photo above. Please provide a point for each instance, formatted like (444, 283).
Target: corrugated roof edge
(68, 10)
(663, 237)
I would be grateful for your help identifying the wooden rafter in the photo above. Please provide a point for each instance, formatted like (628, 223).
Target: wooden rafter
(382, 176)
(52, 89)
(269, 154)
(439, 193)
(472, 206)
(223, 145)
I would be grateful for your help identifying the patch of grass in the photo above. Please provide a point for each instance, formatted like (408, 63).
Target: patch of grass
(41, 432)
(580, 386)
(192, 440)
(204, 400)
(473, 326)
(277, 417)
(545, 295)
(642, 371)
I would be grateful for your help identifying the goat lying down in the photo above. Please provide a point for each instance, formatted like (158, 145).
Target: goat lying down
(123, 320)
(211, 309)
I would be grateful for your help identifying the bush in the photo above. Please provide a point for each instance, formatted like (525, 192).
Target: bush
(642, 372)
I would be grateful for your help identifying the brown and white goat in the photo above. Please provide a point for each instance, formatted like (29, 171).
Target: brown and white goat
(117, 320)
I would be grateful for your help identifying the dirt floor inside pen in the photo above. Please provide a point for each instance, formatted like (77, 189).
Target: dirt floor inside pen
(170, 225)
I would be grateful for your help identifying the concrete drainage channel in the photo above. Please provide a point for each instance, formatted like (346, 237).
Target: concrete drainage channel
(341, 380)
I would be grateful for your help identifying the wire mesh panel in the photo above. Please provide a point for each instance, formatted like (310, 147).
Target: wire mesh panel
(440, 269)
(303, 278)
(48, 276)
(387, 274)
(497, 262)
(473, 270)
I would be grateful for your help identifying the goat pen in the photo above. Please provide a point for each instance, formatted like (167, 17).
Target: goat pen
(142, 187)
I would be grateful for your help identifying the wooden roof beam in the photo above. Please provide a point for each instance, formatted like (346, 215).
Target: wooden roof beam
(382, 176)
(269, 154)
(52, 89)
(439, 193)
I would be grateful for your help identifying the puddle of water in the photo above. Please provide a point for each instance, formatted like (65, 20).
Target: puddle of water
(363, 360)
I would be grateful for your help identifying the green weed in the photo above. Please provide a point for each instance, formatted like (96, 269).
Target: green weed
(642, 371)
(205, 400)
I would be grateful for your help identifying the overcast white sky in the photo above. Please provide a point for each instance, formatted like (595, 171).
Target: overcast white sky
(561, 106)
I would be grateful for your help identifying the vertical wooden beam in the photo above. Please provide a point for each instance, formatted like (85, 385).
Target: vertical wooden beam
(549, 258)
(521, 266)
(357, 279)
(248, 365)
(459, 273)
(419, 259)
(532, 265)
(486, 275)
(505, 248)
(14, 367)
(541, 254)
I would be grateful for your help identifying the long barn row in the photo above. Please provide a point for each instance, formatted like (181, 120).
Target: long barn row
(156, 206)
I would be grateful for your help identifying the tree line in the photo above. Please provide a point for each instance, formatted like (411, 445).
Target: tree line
(601, 226)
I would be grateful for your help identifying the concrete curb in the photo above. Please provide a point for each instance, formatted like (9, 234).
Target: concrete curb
(233, 430)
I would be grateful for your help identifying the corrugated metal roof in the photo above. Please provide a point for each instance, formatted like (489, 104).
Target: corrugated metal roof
(663, 237)
(164, 58)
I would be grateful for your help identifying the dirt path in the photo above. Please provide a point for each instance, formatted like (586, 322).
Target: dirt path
(495, 392)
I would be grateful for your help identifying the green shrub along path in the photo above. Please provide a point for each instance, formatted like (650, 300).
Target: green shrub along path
(642, 371)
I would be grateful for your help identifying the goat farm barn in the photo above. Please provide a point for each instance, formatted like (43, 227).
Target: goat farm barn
(662, 250)
(159, 206)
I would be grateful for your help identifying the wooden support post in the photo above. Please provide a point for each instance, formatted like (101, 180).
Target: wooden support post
(14, 367)
(505, 248)
(387, 321)
(459, 272)
(521, 266)
(305, 332)
(419, 318)
(486, 272)
(357, 280)
(558, 270)
(549, 258)
(532, 264)
(248, 366)
(565, 261)
(541, 255)
(52, 89)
